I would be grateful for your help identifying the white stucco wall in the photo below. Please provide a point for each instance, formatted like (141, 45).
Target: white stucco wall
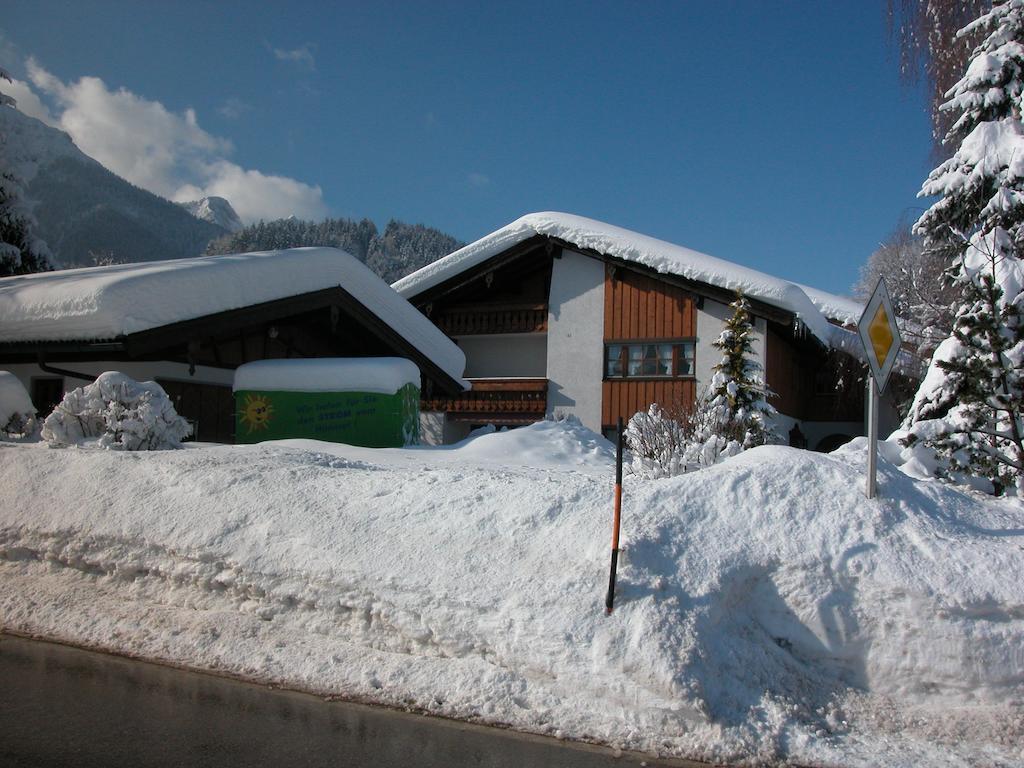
(575, 354)
(432, 427)
(710, 322)
(502, 355)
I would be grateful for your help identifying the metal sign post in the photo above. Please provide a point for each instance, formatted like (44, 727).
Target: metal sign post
(881, 340)
(872, 437)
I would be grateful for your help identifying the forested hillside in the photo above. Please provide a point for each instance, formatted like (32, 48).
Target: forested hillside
(400, 249)
(85, 211)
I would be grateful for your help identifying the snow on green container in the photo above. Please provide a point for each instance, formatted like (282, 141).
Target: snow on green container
(373, 402)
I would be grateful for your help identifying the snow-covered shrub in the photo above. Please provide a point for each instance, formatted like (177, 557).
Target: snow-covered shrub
(17, 414)
(116, 412)
(656, 441)
(731, 415)
(664, 442)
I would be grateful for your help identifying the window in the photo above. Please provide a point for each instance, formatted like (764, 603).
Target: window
(649, 360)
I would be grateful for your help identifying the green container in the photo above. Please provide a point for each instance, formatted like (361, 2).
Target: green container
(358, 418)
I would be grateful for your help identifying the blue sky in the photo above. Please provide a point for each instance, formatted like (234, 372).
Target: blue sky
(775, 135)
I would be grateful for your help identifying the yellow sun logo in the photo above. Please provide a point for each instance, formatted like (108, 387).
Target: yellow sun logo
(256, 413)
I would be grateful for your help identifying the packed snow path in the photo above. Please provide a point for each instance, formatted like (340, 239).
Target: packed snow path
(765, 610)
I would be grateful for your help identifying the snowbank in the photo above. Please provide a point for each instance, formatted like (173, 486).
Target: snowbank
(106, 302)
(17, 414)
(641, 249)
(385, 375)
(766, 610)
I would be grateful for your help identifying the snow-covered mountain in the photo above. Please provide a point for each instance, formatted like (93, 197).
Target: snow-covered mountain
(84, 211)
(215, 210)
(29, 144)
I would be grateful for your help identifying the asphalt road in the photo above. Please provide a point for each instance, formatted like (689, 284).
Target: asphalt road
(62, 706)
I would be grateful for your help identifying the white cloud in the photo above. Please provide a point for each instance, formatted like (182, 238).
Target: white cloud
(261, 196)
(303, 55)
(166, 152)
(478, 180)
(28, 102)
(233, 108)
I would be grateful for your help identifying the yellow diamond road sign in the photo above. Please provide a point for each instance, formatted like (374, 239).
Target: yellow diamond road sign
(879, 334)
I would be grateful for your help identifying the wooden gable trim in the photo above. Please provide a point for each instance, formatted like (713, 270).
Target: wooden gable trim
(148, 344)
(390, 336)
(697, 288)
(228, 322)
(477, 271)
(69, 351)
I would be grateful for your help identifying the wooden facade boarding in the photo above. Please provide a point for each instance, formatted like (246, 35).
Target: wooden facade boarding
(641, 308)
(805, 380)
(507, 296)
(649, 335)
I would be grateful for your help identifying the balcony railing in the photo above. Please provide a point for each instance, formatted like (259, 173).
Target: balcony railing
(510, 318)
(497, 401)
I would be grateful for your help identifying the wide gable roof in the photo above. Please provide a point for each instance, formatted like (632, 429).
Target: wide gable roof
(812, 307)
(99, 303)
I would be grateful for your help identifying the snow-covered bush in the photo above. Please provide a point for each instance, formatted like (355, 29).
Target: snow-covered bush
(664, 442)
(17, 414)
(657, 441)
(116, 412)
(731, 415)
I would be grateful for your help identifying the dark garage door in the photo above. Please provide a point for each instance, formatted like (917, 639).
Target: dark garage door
(210, 408)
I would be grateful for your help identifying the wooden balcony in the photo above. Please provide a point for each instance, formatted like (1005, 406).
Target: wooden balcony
(496, 401)
(507, 318)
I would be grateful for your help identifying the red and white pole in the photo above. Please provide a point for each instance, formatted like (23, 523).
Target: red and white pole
(609, 601)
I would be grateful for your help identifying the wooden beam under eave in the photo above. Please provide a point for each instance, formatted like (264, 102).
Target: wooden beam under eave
(228, 323)
(476, 272)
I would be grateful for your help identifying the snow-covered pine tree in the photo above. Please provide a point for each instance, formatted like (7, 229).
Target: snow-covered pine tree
(970, 405)
(730, 415)
(21, 252)
(738, 394)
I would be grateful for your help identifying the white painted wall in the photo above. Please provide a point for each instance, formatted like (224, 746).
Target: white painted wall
(575, 353)
(710, 322)
(432, 427)
(437, 429)
(140, 371)
(501, 355)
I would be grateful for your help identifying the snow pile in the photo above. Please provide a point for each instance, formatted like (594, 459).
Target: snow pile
(766, 611)
(659, 255)
(116, 412)
(17, 414)
(545, 444)
(107, 302)
(385, 375)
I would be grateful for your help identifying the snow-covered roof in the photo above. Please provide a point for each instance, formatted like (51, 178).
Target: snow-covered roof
(843, 309)
(659, 255)
(107, 302)
(385, 375)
